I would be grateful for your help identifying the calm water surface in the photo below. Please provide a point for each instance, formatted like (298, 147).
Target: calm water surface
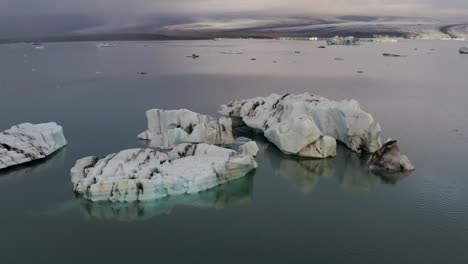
(290, 210)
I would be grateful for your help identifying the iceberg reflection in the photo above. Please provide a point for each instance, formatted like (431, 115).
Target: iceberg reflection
(41, 166)
(237, 192)
(349, 169)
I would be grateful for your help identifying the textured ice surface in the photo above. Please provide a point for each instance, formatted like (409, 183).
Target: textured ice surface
(249, 148)
(27, 142)
(307, 125)
(390, 158)
(146, 174)
(168, 128)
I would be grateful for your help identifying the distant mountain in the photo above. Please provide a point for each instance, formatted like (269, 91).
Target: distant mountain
(150, 28)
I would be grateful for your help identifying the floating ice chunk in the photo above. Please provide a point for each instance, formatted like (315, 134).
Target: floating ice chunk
(168, 128)
(464, 50)
(343, 41)
(392, 55)
(146, 174)
(390, 158)
(298, 124)
(106, 45)
(27, 142)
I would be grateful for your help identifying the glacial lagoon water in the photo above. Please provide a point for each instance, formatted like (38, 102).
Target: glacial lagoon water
(289, 210)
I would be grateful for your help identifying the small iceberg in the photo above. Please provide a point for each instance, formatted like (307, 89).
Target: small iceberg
(146, 174)
(392, 55)
(38, 46)
(27, 142)
(463, 50)
(347, 41)
(389, 158)
(168, 128)
(106, 45)
(232, 52)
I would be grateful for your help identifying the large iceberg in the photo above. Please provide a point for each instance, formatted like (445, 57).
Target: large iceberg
(27, 142)
(146, 174)
(307, 125)
(168, 128)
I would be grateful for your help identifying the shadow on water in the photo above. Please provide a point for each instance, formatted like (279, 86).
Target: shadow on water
(21, 171)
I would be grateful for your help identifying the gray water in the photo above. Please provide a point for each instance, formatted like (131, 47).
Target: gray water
(289, 210)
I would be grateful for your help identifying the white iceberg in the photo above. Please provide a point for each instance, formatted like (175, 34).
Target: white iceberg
(389, 158)
(168, 128)
(307, 125)
(249, 148)
(343, 41)
(146, 174)
(27, 142)
(106, 45)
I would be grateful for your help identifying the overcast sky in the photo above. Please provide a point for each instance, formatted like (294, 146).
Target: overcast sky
(24, 15)
(202, 7)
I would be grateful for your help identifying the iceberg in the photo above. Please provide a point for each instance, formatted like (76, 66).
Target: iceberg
(464, 50)
(106, 45)
(147, 174)
(308, 125)
(168, 128)
(27, 142)
(392, 55)
(389, 158)
(343, 41)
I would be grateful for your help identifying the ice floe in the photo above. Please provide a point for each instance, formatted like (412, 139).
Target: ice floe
(27, 142)
(146, 174)
(307, 125)
(390, 158)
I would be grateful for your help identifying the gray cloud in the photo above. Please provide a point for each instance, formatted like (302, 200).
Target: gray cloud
(203, 7)
(58, 16)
